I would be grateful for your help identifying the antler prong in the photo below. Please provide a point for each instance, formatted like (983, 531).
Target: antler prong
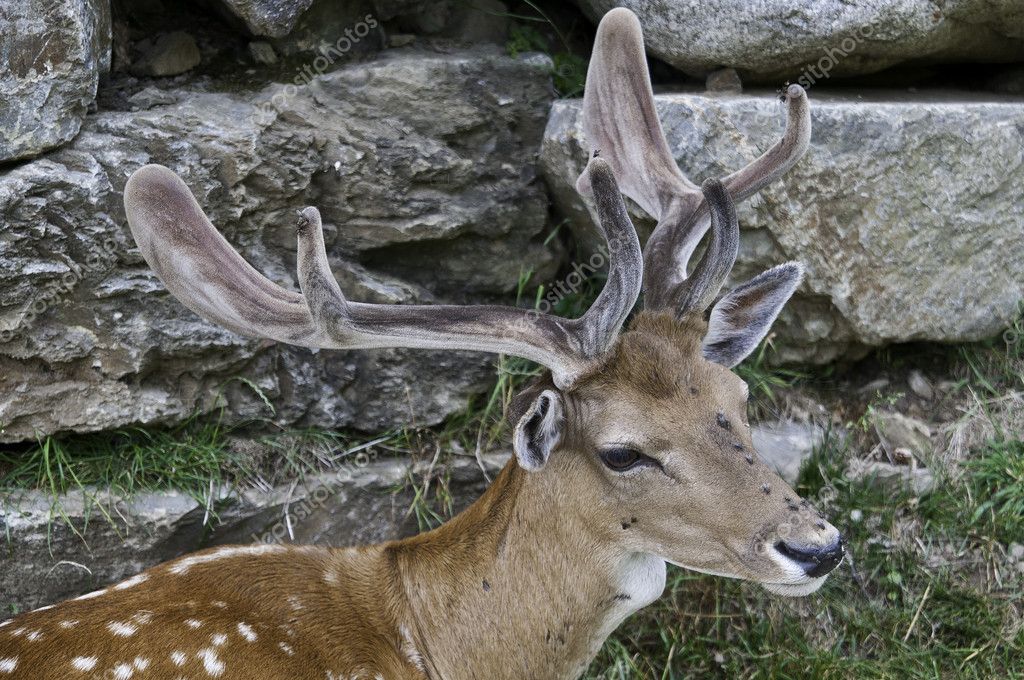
(620, 118)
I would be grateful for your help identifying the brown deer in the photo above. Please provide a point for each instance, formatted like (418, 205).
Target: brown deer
(632, 452)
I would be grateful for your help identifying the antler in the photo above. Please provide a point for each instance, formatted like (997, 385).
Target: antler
(620, 121)
(200, 268)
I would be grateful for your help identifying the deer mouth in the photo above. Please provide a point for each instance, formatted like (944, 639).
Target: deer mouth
(795, 589)
(806, 566)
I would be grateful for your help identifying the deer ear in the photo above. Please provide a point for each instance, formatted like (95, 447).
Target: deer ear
(538, 431)
(743, 316)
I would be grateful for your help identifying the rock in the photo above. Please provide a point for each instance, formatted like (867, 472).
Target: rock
(151, 97)
(424, 168)
(724, 80)
(776, 40)
(172, 54)
(44, 560)
(920, 385)
(897, 431)
(52, 54)
(271, 18)
(333, 32)
(905, 211)
(892, 478)
(785, 446)
(262, 52)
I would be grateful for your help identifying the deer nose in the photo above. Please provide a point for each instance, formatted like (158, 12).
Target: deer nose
(814, 560)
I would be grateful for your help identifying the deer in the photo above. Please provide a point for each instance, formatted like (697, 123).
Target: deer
(631, 451)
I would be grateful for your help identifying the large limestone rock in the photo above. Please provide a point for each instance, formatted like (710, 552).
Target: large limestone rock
(779, 39)
(91, 538)
(907, 213)
(51, 56)
(424, 167)
(272, 18)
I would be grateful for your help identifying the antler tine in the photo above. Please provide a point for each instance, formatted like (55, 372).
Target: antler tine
(784, 154)
(698, 291)
(620, 120)
(625, 259)
(200, 268)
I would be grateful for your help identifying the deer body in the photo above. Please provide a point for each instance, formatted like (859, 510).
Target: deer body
(631, 452)
(518, 601)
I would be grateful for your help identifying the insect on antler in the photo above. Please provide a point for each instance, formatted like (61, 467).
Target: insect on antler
(620, 120)
(200, 268)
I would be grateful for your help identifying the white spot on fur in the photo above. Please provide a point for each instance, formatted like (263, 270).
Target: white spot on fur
(18, 632)
(182, 566)
(213, 665)
(123, 671)
(122, 628)
(219, 639)
(141, 662)
(43, 609)
(35, 635)
(84, 663)
(6, 623)
(133, 581)
(220, 604)
(294, 602)
(89, 596)
(410, 651)
(178, 658)
(331, 576)
(286, 648)
(8, 664)
(142, 617)
(193, 623)
(246, 631)
(69, 624)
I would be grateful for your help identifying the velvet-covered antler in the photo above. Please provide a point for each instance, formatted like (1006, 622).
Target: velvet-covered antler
(200, 268)
(620, 122)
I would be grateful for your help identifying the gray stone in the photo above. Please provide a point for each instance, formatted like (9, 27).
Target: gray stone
(815, 39)
(920, 385)
(786, 445)
(906, 211)
(91, 538)
(51, 57)
(892, 478)
(896, 431)
(271, 18)
(423, 167)
(724, 80)
(170, 54)
(262, 52)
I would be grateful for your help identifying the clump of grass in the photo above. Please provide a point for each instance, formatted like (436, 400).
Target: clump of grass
(569, 70)
(765, 379)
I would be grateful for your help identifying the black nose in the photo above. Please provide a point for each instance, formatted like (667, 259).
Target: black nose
(815, 560)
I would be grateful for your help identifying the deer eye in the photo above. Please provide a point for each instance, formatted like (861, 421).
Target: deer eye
(623, 458)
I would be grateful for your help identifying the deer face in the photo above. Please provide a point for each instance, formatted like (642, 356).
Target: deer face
(655, 450)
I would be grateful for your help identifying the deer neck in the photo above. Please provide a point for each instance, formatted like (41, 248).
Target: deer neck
(519, 586)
